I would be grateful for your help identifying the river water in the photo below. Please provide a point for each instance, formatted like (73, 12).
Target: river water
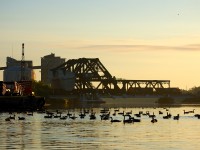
(37, 132)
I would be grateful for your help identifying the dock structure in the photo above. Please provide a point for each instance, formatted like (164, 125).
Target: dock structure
(91, 76)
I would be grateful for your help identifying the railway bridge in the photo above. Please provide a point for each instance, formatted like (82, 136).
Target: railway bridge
(91, 76)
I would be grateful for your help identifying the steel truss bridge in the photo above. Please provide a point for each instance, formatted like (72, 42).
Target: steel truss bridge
(91, 76)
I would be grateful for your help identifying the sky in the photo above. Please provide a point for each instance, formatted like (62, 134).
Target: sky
(134, 39)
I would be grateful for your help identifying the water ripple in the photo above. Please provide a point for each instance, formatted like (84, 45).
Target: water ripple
(36, 132)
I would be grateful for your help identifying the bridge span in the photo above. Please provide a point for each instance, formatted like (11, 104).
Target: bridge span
(91, 76)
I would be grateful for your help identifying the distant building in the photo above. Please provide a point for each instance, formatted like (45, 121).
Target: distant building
(63, 80)
(47, 63)
(12, 72)
(10, 62)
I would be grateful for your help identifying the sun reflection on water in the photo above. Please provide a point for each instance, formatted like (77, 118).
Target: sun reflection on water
(37, 132)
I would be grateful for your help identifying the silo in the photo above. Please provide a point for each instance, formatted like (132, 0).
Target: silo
(13, 73)
(47, 63)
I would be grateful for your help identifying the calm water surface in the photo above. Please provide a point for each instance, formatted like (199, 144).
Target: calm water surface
(37, 132)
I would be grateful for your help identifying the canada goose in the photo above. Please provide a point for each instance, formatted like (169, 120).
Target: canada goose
(186, 112)
(191, 111)
(176, 117)
(7, 119)
(151, 116)
(147, 113)
(140, 112)
(21, 118)
(121, 113)
(105, 116)
(114, 120)
(73, 117)
(92, 116)
(127, 120)
(104, 110)
(49, 113)
(116, 110)
(160, 112)
(41, 111)
(167, 116)
(48, 116)
(128, 113)
(86, 111)
(12, 117)
(82, 115)
(170, 115)
(138, 115)
(153, 120)
(63, 117)
(68, 114)
(197, 115)
(30, 113)
(133, 119)
(58, 114)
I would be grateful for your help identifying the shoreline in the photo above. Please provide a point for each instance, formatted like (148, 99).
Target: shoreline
(120, 102)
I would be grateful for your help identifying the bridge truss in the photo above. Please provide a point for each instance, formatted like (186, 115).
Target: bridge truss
(92, 76)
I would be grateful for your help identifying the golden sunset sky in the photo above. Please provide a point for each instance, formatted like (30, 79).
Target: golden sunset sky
(134, 39)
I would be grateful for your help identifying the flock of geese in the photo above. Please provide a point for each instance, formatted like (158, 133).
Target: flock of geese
(105, 114)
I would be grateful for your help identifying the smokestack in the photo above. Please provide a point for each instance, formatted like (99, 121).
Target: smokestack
(22, 64)
(22, 51)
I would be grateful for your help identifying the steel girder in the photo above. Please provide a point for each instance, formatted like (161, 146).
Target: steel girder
(92, 76)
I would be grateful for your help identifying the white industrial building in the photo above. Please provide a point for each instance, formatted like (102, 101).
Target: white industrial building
(59, 80)
(13, 71)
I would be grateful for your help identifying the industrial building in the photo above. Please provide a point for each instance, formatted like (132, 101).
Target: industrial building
(49, 62)
(17, 70)
(13, 70)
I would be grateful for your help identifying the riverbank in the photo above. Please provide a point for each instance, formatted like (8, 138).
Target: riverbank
(145, 101)
(123, 101)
